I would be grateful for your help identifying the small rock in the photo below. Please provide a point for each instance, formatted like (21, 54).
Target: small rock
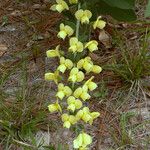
(36, 6)
(16, 13)
(3, 49)
(46, 1)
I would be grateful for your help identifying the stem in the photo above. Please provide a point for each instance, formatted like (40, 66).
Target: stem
(78, 23)
(77, 27)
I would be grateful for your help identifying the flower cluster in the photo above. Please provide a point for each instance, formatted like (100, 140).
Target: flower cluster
(77, 91)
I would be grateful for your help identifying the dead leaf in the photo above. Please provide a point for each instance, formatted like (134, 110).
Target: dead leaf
(3, 49)
(105, 38)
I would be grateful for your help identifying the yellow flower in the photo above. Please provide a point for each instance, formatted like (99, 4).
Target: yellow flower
(65, 30)
(73, 1)
(53, 52)
(88, 65)
(82, 92)
(99, 23)
(76, 75)
(94, 115)
(54, 107)
(85, 63)
(96, 69)
(73, 103)
(90, 84)
(75, 45)
(83, 16)
(68, 120)
(92, 45)
(60, 6)
(63, 91)
(82, 141)
(64, 64)
(52, 76)
(86, 115)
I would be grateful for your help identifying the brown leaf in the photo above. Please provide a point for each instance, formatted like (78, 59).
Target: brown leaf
(3, 49)
(105, 38)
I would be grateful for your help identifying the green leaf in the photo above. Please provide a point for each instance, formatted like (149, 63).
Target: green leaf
(147, 12)
(123, 4)
(119, 14)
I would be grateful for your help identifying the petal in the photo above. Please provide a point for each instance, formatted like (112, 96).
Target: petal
(69, 30)
(88, 66)
(60, 86)
(79, 47)
(85, 96)
(80, 76)
(49, 76)
(69, 63)
(62, 26)
(67, 91)
(80, 63)
(79, 14)
(62, 60)
(95, 115)
(101, 24)
(78, 104)
(92, 86)
(96, 69)
(52, 108)
(73, 41)
(71, 107)
(59, 8)
(74, 71)
(62, 68)
(52, 53)
(53, 7)
(77, 92)
(67, 124)
(72, 119)
(86, 117)
(70, 100)
(60, 94)
(64, 117)
(87, 139)
(79, 114)
(62, 34)
(72, 78)
(88, 13)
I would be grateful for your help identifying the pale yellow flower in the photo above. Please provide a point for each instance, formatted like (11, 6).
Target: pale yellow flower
(65, 30)
(64, 64)
(54, 107)
(63, 91)
(86, 115)
(73, 103)
(82, 141)
(60, 6)
(73, 1)
(96, 69)
(68, 120)
(52, 76)
(53, 52)
(83, 16)
(76, 75)
(75, 45)
(90, 84)
(82, 92)
(99, 23)
(92, 45)
(88, 65)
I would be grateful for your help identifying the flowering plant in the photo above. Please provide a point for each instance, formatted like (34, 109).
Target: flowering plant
(77, 90)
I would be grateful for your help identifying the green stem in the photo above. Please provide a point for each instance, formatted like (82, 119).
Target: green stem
(78, 23)
(77, 27)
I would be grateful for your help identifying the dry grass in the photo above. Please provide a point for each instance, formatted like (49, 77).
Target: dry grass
(124, 106)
